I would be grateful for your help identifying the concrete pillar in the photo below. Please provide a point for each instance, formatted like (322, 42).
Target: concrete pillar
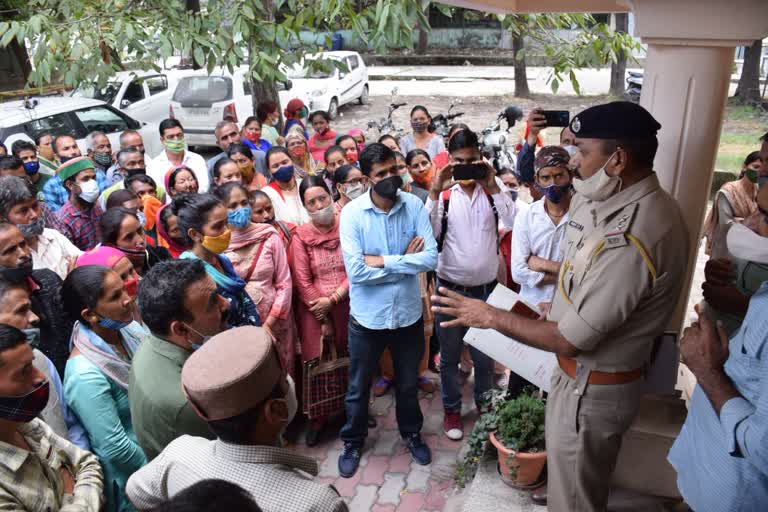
(685, 88)
(687, 73)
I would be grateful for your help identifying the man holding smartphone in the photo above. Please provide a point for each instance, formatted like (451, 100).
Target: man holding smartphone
(539, 119)
(625, 256)
(466, 203)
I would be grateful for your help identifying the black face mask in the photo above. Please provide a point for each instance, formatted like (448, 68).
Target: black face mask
(388, 187)
(135, 172)
(63, 159)
(18, 274)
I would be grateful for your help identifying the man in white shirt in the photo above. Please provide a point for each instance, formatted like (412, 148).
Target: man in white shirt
(176, 154)
(467, 234)
(50, 249)
(538, 232)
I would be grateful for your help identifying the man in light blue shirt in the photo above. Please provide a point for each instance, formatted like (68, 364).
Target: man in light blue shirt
(386, 240)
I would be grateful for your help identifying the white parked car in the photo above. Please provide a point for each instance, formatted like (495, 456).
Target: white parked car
(329, 90)
(200, 101)
(24, 119)
(144, 95)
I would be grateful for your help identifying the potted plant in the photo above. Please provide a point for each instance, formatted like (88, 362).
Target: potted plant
(516, 428)
(519, 440)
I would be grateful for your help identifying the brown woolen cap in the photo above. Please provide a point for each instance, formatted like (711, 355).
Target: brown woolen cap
(231, 373)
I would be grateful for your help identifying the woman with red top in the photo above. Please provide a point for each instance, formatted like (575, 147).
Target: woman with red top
(259, 258)
(320, 281)
(324, 137)
(251, 135)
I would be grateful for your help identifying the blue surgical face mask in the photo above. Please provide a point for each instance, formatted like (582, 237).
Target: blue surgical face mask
(32, 167)
(514, 194)
(33, 336)
(239, 218)
(114, 325)
(204, 337)
(283, 174)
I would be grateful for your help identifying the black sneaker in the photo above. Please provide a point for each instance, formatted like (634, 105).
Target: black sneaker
(419, 450)
(349, 460)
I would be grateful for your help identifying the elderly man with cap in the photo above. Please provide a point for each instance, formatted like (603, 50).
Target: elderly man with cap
(625, 253)
(79, 218)
(180, 307)
(247, 407)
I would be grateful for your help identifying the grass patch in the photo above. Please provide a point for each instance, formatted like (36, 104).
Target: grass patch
(742, 128)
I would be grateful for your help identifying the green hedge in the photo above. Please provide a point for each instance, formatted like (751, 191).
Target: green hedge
(719, 179)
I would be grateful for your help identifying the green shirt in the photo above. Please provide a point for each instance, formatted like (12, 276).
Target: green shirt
(46, 166)
(40, 184)
(159, 410)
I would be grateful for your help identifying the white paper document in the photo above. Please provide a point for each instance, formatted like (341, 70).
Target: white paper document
(532, 364)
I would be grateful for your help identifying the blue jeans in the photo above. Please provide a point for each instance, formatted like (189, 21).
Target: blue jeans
(451, 345)
(365, 347)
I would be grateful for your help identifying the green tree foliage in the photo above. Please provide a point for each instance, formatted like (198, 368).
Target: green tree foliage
(75, 40)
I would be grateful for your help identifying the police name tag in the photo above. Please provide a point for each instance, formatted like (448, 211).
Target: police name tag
(615, 240)
(575, 225)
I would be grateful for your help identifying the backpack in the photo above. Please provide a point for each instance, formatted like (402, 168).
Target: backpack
(446, 197)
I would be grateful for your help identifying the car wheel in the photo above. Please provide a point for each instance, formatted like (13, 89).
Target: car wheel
(333, 108)
(363, 99)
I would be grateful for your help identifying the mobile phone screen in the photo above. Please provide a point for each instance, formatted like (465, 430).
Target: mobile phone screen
(469, 171)
(556, 117)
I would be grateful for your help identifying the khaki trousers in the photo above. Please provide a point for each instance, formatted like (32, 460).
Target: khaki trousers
(584, 428)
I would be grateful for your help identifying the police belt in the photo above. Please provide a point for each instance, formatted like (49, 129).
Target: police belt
(568, 365)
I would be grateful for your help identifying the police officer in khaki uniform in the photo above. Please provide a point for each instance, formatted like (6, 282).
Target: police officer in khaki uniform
(624, 261)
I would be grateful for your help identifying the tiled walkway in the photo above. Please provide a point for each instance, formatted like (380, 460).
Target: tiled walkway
(388, 481)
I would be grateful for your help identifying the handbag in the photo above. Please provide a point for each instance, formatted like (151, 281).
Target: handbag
(325, 383)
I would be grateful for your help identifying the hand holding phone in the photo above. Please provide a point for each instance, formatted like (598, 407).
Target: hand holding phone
(474, 171)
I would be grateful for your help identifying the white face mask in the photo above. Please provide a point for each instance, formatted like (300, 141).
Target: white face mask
(354, 191)
(600, 186)
(745, 244)
(89, 191)
(325, 216)
(572, 150)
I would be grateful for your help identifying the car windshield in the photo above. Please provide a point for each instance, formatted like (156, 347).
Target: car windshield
(106, 94)
(300, 70)
(203, 89)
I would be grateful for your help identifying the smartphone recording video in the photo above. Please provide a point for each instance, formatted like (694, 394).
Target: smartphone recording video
(469, 171)
(556, 117)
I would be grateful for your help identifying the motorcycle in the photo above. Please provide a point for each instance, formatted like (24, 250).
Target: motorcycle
(634, 86)
(442, 122)
(385, 125)
(496, 145)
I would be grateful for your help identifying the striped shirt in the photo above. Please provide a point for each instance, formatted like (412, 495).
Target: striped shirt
(277, 479)
(722, 462)
(31, 480)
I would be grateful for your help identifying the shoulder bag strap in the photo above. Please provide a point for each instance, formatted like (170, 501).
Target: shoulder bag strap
(247, 277)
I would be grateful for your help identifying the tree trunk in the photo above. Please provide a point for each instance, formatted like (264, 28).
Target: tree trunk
(193, 6)
(264, 90)
(619, 68)
(421, 48)
(20, 52)
(521, 75)
(748, 90)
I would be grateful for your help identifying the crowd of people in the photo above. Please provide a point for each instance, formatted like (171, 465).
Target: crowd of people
(162, 320)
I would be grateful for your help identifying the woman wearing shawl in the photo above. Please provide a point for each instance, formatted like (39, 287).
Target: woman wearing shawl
(243, 157)
(283, 190)
(295, 112)
(168, 232)
(202, 220)
(103, 342)
(359, 136)
(324, 137)
(302, 160)
(734, 202)
(258, 256)
(320, 281)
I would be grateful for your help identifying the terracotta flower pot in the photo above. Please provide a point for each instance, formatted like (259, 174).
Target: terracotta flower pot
(521, 470)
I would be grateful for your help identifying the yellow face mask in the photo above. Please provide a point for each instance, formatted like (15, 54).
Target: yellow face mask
(217, 244)
(466, 183)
